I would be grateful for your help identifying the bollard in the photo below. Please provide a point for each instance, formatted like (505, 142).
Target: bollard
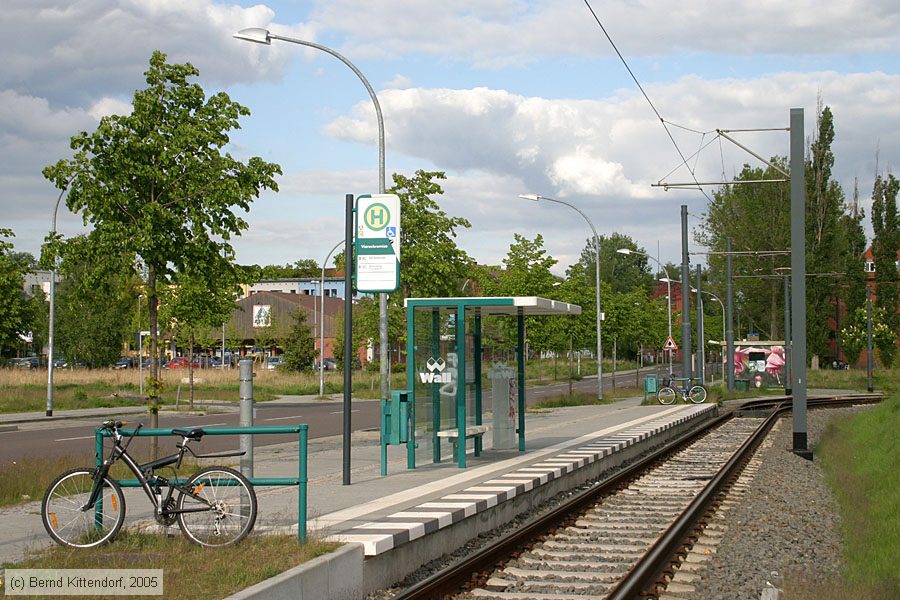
(246, 420)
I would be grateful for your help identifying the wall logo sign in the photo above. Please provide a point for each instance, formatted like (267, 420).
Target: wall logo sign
(434, 372)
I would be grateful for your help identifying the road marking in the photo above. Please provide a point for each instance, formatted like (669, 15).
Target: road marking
(87, 437)
(283, 418)
(340, 412)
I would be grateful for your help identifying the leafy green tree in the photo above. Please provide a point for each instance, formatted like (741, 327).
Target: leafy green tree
(156, 184)
(756, 217)
(526, 272)
(826, 247)
(94, 308)
(623, 273)
(886, 226)
(199, 301)
(854, 279)
(15, 315)
(299, 344)
(306, 267)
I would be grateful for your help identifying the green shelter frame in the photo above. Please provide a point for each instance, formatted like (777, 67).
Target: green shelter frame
(446, 315)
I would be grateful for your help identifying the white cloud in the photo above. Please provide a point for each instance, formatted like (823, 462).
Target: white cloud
(501, 32)
(93, 48)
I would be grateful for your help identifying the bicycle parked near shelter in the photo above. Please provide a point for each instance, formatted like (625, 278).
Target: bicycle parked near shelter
(671, 389)
(215, 507)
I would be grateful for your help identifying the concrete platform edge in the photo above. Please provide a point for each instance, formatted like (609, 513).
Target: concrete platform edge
(337, 575)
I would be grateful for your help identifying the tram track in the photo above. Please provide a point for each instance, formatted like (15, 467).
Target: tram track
(622, 537)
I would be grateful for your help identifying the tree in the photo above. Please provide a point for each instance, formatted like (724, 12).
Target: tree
(156, 184)
(886, 227)
(197, 303)
(526, 273)
(93, 309)
(623, 273)
(431, 263)
(15, 315)
(299, 344)
(306, 267)
(826, 247)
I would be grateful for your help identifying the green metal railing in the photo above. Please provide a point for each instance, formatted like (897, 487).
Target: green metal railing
(300, 481)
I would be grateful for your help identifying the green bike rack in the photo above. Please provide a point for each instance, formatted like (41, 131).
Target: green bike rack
(300, 481)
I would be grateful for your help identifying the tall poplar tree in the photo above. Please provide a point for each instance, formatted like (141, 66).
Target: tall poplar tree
(886, 227)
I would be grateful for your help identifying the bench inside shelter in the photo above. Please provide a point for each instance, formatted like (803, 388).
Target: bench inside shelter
(471, 432)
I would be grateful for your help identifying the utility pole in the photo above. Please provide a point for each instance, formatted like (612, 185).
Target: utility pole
(798, 284)
(686, 345)
(729, 316)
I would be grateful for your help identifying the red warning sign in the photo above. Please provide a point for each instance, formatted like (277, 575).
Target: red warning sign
(670, 344)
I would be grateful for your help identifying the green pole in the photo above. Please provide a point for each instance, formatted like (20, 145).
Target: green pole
(521, 364)
(411, 385)
(476, 346)
(301, 487)
(461, 384)
(435, 388)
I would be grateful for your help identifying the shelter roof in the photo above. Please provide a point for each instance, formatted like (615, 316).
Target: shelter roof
(500, 305)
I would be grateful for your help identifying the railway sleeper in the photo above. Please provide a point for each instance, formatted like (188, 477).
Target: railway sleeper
(487, 594)
(603, 567)
(557, 576)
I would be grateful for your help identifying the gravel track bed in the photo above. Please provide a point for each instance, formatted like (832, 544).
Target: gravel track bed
(786, 524)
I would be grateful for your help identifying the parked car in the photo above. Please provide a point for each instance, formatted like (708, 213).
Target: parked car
(28, 362)
(274, 362)
(125, 362)
(182, 362)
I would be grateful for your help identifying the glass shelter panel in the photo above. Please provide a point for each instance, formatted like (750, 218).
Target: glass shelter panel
(436, 379)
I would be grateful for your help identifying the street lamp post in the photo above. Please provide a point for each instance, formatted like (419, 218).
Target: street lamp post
(263, 36)
(322, 322)
(52, 319)
(536, 198)
(722, 304)
(668, 281)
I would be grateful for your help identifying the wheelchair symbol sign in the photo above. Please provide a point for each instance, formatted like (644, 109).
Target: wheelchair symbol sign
(390, 232)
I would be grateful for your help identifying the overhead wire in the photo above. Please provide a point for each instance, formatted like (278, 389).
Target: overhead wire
(647, 98)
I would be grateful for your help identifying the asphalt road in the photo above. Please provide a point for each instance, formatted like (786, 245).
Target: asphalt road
(76, 438)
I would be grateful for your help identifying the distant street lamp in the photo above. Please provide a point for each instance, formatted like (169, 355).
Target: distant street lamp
(50, 336)
(322, 322)
(536, 198)
(668, 290)
(722, 304)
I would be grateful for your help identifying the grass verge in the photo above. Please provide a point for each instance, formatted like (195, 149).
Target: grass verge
(189, 571)
(859, 457)
(27, 480)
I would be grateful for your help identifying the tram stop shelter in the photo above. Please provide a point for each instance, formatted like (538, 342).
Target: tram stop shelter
(442, 407)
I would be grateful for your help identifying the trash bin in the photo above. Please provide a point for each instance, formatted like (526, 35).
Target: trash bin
(742, 385)
(651, 385)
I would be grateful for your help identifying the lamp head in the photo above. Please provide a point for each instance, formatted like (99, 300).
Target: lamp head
(254, 34)
(532, 197)
(624, 250)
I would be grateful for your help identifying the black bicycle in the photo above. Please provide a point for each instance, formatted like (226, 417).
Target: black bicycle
(215, 507)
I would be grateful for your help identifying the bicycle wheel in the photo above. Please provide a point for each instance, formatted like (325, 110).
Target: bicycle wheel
(697, 394)
(221, 509)
(666, 395)
(68, 524)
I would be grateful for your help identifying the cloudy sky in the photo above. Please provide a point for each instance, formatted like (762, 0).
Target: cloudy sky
(505, 96)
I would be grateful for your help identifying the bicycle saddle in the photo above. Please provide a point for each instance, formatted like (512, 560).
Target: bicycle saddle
(192, 434)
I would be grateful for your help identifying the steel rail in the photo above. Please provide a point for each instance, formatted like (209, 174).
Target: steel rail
(451, 579)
